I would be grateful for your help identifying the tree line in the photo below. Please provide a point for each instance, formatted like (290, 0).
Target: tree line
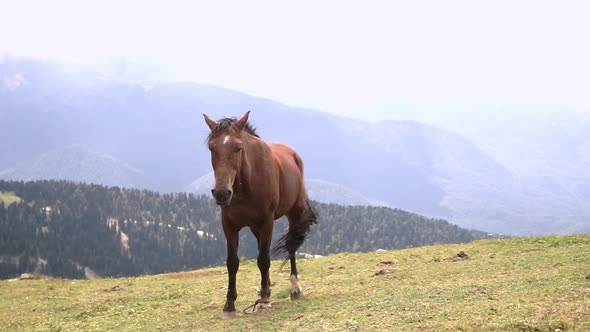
(71, 230)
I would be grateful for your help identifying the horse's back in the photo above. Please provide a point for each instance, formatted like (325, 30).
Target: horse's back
(286, 156)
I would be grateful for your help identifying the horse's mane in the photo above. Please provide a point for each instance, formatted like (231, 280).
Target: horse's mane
(226, 124)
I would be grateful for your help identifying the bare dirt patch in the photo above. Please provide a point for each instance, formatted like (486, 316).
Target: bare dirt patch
(116, 288)
(383, 272)
(460, 256)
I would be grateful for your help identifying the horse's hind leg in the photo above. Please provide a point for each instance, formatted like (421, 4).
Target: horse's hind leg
(292, 243)
(296, 290)
(301, 217)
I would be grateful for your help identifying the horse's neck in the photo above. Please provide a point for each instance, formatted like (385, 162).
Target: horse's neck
(245, 173)
(254, 157)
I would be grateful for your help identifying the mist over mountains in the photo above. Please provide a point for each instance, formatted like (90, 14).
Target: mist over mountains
(525, 178)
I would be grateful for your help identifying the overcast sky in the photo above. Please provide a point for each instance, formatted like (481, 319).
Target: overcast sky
(357, 58)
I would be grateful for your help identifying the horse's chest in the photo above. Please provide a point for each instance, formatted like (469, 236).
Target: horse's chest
(246, 215)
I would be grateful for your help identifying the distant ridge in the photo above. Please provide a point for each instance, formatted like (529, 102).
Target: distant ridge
(76, 163)
(318, 190)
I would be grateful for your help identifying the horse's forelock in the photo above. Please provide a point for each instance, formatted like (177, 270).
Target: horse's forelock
(226, 124)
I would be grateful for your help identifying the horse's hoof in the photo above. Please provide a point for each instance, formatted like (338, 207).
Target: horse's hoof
(228, 315)
(297, 295)
(263, 308)
(296, 292)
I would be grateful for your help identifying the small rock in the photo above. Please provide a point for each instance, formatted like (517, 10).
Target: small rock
(114, 289)
(385, 271)
(462, 254)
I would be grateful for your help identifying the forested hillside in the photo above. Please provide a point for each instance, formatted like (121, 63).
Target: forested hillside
(75, 230)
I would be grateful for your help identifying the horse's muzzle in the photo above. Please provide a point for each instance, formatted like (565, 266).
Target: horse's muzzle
(222, 197)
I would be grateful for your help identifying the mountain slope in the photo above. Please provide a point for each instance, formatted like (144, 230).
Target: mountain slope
(547, 149)
(529, 284)
(61, 228)
(76, 163)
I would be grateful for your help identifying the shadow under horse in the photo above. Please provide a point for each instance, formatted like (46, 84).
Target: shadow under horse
(256, 183)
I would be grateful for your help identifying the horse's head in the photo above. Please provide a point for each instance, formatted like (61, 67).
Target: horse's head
(226, 146)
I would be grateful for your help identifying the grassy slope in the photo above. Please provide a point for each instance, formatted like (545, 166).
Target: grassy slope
(525, 284)
(9, 197)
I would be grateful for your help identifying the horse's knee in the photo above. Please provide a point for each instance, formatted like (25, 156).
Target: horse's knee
(233, 264)
(263, 260)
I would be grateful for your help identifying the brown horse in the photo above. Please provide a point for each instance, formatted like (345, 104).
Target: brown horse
(257, 182)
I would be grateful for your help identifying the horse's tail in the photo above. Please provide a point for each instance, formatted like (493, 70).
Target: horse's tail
(295, 236)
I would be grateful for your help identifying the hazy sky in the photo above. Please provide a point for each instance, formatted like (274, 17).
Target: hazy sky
(358, 58)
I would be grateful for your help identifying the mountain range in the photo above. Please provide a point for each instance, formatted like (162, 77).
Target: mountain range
(150, 135)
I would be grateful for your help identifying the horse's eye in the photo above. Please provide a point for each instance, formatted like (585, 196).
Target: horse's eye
(237, 148)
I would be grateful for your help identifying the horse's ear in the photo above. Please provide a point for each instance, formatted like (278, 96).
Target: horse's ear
(242, 122)
(210, 122)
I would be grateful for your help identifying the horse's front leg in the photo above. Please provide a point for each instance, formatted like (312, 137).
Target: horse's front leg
(232, 263)
(264, 236)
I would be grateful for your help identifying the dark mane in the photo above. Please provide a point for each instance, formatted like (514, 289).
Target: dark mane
(226, 124)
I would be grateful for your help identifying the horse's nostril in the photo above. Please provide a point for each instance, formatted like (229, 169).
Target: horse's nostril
(222, 194)
(212, 191)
